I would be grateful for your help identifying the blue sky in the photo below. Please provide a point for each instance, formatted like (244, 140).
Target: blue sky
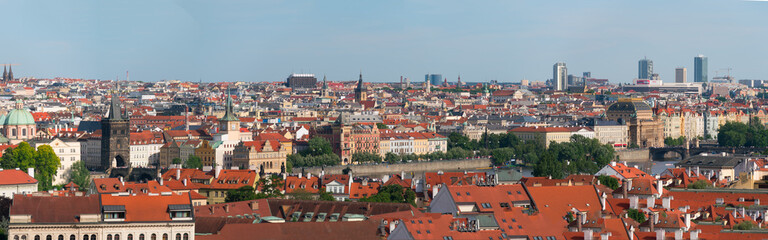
(267, 40)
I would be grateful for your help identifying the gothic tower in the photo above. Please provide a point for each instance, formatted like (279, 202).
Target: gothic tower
(360, 91)
(10, 73)
(5, 73)
(115, 136)
(325, 87)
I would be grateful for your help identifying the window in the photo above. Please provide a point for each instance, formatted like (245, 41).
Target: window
(178, 236)
(141, 236)
(37, 237)
(130, 237)
(165, 236)
(72, 237)
(93, 236)
(49, 237)
(117, 236)
(186, 236)
(154, 237)
(109, 236)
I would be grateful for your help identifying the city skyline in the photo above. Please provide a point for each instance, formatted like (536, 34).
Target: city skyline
(267, 41)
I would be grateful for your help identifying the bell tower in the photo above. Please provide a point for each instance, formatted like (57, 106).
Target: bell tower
(115, 136)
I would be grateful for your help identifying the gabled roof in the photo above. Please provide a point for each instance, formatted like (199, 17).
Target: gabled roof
(146, 208)
(14, 177)
(49, 209)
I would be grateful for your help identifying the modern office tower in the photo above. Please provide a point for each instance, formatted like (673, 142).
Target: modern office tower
(644, 69)
(434, 79)
(587, 74)
(559, 76)
(574, 80)
(700, 69)
(681, 75)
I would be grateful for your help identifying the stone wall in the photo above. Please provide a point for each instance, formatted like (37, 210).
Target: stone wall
(634, 155)
(416, 167)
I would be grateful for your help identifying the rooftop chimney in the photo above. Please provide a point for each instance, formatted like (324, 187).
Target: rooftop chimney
(679, 234)
(254, 205)
(650, 202)
(695, 234)
(633, 202)
(660, 233)
(588, 234)
(660, 187)
(178, 173)
(31, 172)
(218, 170)
(666, 203)
(185, 182)
(687, 221)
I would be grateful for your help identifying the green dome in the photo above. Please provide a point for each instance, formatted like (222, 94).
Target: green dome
(17, 117)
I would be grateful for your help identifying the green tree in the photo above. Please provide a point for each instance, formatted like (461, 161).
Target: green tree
(382, 126)
(608, 181)
(193, 162)
(46, 165)
(325, 196)
(269, 187)
(638, 216)
(346, 171)
(301, 194)
(393, 193)
(244, 193)
(176, 161)
(80, 175)
(22, 157)
(318, 146)
(670, 141)
(391, 158)
(700, 184)
(744, 225)
(362, 157)
(502, 155)
(633, 146)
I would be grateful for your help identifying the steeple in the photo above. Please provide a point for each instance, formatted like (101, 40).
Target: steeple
(228, 114)
(360, 81)
(325, 87)
(114, 108)
(10, 73)
(5, 73)
(360, 92)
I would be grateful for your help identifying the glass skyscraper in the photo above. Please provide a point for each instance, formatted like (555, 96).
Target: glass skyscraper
(559, 76)
(434, 79)
(644, 69)
(700, 68)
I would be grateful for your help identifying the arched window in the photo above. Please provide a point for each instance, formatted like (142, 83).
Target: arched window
(49, 237)
(154, 237)
(61, 237)
(130, 237)
(37, 237)
(16, 237)
(85, 237)
(13, 132)
(117, 236)
(23, 132)
(93, 236)
(186, 236)
(109, 236)
(165, 236)
(23, 237)
(178, 236)
(141, 236)
(72, 237)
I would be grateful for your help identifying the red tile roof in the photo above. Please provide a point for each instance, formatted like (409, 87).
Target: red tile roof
(146, 208)
(48, 209)
(14, 177)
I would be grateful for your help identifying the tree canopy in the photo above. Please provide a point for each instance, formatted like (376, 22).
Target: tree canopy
(193, 162)
(394, 194)
(737, 134)
(43, 160)
(319, 153)
(244, 193)
(80, 175)
(269, 187)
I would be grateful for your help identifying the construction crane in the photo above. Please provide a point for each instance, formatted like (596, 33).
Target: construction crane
(728, 70)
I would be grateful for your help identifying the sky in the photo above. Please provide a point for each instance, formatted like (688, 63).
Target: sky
(267, 40)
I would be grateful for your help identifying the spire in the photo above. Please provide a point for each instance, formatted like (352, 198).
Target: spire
(5, 73)
(325, 82)
(228, 115)
(10, 73)
(360, 81)
(114, 108)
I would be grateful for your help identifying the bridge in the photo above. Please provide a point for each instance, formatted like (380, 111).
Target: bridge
(134, 174)
(684, 153)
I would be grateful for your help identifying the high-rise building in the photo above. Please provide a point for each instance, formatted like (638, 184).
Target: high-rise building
(681, 75)
(587, 75)
(644, 69)
(559, 76)
(700, 69)
(434, 79)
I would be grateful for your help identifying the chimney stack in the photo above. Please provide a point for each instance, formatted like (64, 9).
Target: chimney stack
(178, 173)
(695, 234)
(660, 187)
(660, 234)
(588, 234)
(687, 221)
(31, 172)
(218, 171)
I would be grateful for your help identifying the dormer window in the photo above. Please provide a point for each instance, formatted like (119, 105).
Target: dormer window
(180, 212)
(113, 212)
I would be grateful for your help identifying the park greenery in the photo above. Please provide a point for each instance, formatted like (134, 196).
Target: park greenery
(737, 134)
(319, 153)
(670, 141)
(392, 194)
(581, 155)
(269, 187)
(43, 160)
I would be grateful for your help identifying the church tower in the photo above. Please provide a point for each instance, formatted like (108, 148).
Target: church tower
(360, 91)
(5, 73)
(230, 124)
(10, 73)
(325, 87)
(115, 136)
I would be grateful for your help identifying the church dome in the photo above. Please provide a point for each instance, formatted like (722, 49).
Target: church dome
(17, 117)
